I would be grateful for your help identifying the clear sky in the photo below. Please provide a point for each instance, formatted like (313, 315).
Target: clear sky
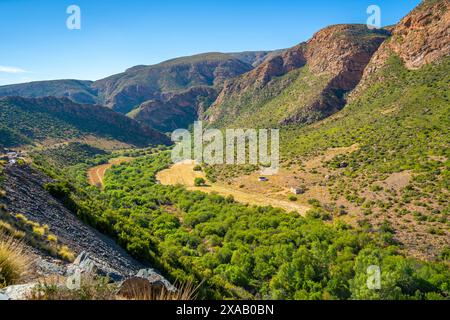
(35, 43)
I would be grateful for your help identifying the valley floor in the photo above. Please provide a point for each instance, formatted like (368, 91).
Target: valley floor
(184, 174)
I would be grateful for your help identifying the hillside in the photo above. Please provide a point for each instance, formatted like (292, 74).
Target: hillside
(418, 39)
(76, 90)
(24, 120)
(164, 96)
(383, 158)
(399, 117)
(255, 58)
(126, 91)
(175, 110)
(364, 122)
(304, 84)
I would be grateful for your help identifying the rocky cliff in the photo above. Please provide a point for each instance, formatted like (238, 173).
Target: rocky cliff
(175, 109)
(126, 91)
(420, 38)
(334, 58)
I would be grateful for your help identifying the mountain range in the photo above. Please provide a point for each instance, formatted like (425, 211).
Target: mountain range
(299, 85)
(364, 118)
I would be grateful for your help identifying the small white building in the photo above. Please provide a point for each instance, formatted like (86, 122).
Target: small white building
(297, 190)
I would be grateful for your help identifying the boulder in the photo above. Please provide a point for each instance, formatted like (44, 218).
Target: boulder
(146, 283)
(86, 265)
(17, 292)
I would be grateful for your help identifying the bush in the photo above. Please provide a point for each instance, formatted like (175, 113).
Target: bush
(292, 198)
(199, 182)
(14, 261)
(66, 254)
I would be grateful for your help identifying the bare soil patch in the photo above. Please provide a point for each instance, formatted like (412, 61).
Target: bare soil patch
(96, 174)
(184, 174)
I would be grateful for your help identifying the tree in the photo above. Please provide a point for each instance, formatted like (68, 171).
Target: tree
(199, 182)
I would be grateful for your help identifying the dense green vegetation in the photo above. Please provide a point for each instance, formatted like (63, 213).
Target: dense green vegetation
(242, 251)
(252, 252)
(71, 154)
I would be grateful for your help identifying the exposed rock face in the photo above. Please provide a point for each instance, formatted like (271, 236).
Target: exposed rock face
(422, 37)
(124, 92)
(338, 53)
(145, 281)
(17, 292)
(275, 66)
(175, 109)
(343, 51)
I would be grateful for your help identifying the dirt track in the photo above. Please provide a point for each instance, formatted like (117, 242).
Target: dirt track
(96, 174)
(184, 174)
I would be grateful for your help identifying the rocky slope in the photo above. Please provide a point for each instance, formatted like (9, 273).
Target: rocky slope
(28, 120)
(25, 194)
(255, 58)
(399, 117)
(326, 67)
(175, 110)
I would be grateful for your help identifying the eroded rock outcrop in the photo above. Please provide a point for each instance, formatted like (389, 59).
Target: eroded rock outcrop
(420, 38)
(337, 55)
(175, 109)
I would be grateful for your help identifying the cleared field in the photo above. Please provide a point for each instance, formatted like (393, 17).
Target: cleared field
(184, 174)
(96, 174)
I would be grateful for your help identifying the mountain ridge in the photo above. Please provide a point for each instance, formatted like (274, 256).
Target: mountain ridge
(35, 119)
(334, 58)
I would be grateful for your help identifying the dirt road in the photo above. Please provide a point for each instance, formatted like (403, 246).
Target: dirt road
(184, 174)
(96, 174)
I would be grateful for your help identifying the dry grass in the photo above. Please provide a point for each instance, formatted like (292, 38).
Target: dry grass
(65, 253)
(96, 288)
(186, 291)
(54, 288)
(14, 261)
(183, 173)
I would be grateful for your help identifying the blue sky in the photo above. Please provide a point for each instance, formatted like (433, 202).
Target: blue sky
(117, 34)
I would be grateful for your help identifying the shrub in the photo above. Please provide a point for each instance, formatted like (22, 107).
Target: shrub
(199, 182)
(292, 198)
(39, 231)
(14, 261)
(66, 254)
